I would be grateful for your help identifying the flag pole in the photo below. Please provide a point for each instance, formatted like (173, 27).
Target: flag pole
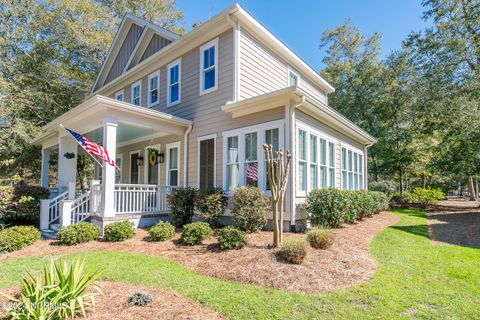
(91, 155)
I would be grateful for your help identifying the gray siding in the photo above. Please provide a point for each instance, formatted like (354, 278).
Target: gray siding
(156, 43)
(124, 53)
(262, 71)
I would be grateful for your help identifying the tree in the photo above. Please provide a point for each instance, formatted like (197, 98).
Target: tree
(278, 167)
(50, 54)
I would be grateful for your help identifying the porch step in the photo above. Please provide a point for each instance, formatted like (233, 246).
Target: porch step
(48, 234)
(55, 227)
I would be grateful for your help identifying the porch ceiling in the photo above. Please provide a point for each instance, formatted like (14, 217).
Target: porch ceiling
(133, 122)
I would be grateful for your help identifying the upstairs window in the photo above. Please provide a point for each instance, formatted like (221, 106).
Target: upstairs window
(209, 67)
(120, 95)
(174, 78)
(293, 78)
(137, 93)
(153, 88)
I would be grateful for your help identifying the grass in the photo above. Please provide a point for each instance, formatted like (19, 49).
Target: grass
(415, 281)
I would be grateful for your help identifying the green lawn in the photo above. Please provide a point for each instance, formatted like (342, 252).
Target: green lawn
(415, 280)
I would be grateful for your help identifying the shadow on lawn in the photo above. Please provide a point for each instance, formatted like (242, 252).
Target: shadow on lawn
(418, 229)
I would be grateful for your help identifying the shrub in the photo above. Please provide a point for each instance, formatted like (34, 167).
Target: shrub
(195, 233)
(58, 292)
(140, 298)
(211, 205)
(231, 238)
(380, 200)
(78, 233)
(162, 231)
(320, 238)
(18, 237)
(119, 231)
(21, 204)
(425, 195)
(250, 208)
(182, 205)
(386, 186)
(294, 250)
(327, 207)
(366, 204)
(399, 198)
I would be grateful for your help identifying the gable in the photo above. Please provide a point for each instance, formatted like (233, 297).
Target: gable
(156, 43)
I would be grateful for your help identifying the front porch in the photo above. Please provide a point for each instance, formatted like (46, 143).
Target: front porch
(125, 131)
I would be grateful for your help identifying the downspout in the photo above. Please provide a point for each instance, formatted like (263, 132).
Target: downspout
(365, 164)
(185, 154)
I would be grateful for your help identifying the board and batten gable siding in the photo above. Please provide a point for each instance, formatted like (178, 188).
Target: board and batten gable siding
(262, 71)
(124, 53)
(335, 135)
(156, 44)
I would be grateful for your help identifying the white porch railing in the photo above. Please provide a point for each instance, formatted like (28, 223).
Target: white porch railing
(80, 208)
(54, 207)
(141, 198)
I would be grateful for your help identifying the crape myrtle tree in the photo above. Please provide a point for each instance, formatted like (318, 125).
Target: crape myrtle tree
(50, 54)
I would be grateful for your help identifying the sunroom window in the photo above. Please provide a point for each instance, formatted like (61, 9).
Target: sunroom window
(302, 160)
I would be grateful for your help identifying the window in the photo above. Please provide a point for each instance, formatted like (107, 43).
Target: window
(120, 95)
(293, 78)
(134, 167)
(173, 164)
(314, 161)
(302, 160)
(245, 161)
(118, 172)
(208, 67)
(174, 80)
(151, 163)
(331, 165)
(352, 170)
(153, 88)
(233, 165)
(137, 93)
(251, 160)
(206, 161)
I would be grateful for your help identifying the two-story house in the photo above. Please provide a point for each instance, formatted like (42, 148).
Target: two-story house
(207, 101)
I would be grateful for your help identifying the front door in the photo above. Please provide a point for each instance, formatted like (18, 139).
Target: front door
(134, 168)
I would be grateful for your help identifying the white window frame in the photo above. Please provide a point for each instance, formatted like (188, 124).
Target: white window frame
(212, 43)
(173, 64)
(328, 139)
(119, 156)
(291, 71)
(130, 166)
(306, 161)
(134, 85)
(360, 173)
(240, 132)
(147, 165)
(200, 139)
(167, 162)
(122, 93)
(150, 89)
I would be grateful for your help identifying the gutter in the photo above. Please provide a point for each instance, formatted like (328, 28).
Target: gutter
(185, 154)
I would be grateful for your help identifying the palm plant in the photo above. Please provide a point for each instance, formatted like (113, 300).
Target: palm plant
(58, 292)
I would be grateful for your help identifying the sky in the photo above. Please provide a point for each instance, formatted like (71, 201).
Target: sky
(299, 24)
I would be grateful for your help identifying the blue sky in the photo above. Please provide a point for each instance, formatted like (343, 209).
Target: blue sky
(299, 24)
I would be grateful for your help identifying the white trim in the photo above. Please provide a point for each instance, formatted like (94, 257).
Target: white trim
(149, 88)
(212, 43)
(178, 63)
(240, 132)
(167, 162)
(146, 164)
(355, 153)
(121, 92)
(236, 58)
(130, 166)
(134, 85)
(202, 138)
(119, 156)
(290, 70)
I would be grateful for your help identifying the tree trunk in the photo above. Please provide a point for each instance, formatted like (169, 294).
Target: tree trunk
(476, 187)
(471, 188)
(401, 182)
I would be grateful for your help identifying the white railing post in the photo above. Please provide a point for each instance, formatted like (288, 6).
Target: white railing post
(158, 198)
(71, 191)
(66, 213)
(95, 195)
(44, 214)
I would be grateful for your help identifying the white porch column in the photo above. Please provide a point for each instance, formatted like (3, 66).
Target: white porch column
(45, 168)
(108, 171)
(67, 168)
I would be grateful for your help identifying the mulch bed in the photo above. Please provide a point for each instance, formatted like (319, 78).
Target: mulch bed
(114, 305)
(345, 264)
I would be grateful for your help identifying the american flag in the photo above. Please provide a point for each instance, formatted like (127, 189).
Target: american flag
(252, 171)
(92, 148)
